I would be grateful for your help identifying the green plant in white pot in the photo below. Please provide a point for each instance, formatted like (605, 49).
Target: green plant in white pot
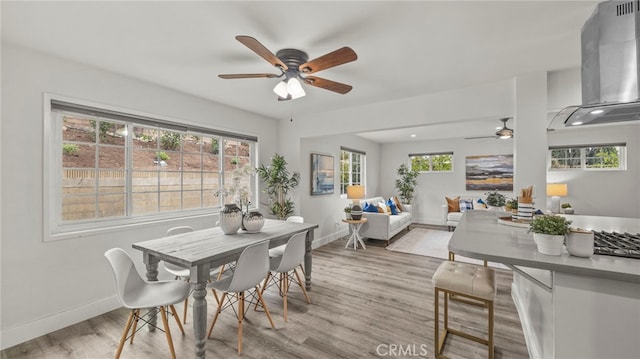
(549, 232)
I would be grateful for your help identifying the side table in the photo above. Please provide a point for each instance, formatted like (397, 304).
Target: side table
(355, 232)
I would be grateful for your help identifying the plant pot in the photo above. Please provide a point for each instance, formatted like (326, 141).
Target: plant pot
(347, 216)
(568, 210)
(580, 243)
(230, 219)
(549, 244)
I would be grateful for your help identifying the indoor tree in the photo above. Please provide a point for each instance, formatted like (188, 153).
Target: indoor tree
(407, 183)
(278, 182)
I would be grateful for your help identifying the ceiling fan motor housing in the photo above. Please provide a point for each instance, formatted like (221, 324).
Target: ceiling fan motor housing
(293, 58)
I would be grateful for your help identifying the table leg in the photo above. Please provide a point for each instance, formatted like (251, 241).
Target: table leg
(151, 264)
(307, 259)
(358, 237)
(200, 277)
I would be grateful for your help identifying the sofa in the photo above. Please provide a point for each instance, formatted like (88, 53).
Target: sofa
(455, 207)
(384, 226)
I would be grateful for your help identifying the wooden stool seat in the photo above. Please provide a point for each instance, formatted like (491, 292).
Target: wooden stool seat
(466, 280)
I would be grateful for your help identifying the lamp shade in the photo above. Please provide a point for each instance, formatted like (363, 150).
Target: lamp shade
(557, 189)
(355, 192)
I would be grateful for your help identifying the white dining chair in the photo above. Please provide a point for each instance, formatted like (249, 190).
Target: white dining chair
(283, 269)
(279, 250)
(182, 273)
(135, 293)
(251, 267)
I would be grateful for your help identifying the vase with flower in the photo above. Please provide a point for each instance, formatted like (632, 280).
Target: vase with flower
(232, 217)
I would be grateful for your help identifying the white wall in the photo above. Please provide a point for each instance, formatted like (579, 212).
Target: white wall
(601, 193)
(327, 210)
(46, 286)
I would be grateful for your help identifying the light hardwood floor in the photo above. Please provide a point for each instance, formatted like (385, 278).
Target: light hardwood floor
(364, 304)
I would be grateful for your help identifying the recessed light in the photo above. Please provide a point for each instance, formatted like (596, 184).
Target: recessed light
(577, 123)
(596, 112)
(413, 135)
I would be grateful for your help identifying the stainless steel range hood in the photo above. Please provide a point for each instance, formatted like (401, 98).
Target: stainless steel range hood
(610, 58)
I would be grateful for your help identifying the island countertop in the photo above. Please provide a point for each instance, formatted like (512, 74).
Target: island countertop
(478, 235)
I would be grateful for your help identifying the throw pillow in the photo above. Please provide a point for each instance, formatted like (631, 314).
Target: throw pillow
(398, 204)
(465, 205)
(453, 204)
(479, 204)
(394, 201)
(392, 207)
(385, 208)
(370, 207)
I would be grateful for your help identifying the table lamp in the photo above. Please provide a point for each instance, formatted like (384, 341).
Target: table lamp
(556, 190)
(355, 193)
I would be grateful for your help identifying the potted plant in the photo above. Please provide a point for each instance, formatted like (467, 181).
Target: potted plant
(495, 199)
(278, 182)
(566, 207)
(407, 183)
(512, 206)
(347, 211)
(549, 232)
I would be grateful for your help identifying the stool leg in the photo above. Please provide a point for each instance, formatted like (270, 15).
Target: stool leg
(436, 320)
(490, 344)
(446, 311)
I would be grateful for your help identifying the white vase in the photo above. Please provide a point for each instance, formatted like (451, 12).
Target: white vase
(230, 219)
(549, 244)
(253, 221)
(580, 243)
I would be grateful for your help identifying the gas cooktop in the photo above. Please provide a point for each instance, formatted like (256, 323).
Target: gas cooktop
(617, 244)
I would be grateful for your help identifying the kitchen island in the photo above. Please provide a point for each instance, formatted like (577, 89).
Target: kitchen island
(569, 307)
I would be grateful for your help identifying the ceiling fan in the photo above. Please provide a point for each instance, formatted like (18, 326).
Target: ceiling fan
(295, 66)
(502, 133)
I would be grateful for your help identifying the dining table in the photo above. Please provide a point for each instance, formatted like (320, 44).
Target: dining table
(206, 249)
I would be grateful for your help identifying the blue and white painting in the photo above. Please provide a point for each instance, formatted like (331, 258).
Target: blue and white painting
(494, 172)
(321, 174)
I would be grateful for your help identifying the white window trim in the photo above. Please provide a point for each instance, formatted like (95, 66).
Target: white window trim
(622, 158)
(363, 169)
(430, 162)
(53, 229)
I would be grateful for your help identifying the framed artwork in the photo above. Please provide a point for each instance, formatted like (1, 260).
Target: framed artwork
(492, 172)
(321, 174)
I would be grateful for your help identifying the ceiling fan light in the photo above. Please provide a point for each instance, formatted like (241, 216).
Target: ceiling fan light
(281, 89)
(294, 87)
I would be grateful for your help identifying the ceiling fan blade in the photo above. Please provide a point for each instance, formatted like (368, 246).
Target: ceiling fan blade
(335, 58)
(259, 49)
(479, 137)
(327, 84)
(247, 76)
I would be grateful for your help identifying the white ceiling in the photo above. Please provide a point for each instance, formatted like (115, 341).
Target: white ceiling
(405, 49)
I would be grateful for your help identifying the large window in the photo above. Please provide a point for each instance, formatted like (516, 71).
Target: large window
(352, 168)
(588, 157)
(432, 162)
(108, 168)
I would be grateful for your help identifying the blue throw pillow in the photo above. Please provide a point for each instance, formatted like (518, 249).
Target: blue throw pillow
(394, 209)
(370, 207)
(466, 205)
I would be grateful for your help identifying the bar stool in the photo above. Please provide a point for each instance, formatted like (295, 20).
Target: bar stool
(471, 281)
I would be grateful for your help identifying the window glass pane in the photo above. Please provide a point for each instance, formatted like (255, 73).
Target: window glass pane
(111, 205)
(351, 169)
(76, 207)
(191, 199)
(602, 157)
(109, 167)
(77, 155)
(145, 203)
(170, 201)
(432, 162)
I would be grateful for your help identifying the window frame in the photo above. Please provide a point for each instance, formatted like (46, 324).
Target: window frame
(622, 157)
(430, 159)
(363, 168)
(56, 229)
